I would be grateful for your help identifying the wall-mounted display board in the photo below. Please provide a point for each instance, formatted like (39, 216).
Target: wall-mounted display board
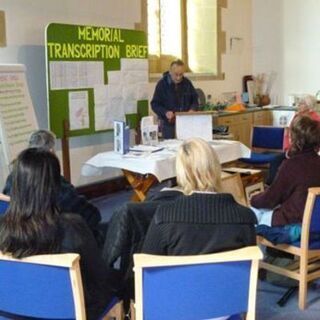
(95, 75)
(17, 116)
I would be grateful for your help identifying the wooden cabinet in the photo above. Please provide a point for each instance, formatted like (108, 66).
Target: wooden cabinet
(240, 124)
(263, 118)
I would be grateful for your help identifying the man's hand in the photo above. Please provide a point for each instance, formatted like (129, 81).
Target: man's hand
(191, 110)
(170, 116)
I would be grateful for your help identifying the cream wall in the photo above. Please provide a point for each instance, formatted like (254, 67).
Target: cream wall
(26, 21)
(286, 40)
(237, 62)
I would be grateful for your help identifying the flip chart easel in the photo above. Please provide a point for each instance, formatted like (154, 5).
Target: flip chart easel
(17, 117)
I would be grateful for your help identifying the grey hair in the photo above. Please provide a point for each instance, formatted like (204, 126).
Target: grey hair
(43, 139)
(309, 101)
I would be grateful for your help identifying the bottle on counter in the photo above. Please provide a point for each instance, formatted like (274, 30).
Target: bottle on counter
(209, 100)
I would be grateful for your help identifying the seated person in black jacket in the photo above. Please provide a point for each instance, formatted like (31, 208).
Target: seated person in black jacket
(126, 233)
(203, 220)
(34, 225)
(68, 199)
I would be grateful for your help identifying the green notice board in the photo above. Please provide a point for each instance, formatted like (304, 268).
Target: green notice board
(95, 75)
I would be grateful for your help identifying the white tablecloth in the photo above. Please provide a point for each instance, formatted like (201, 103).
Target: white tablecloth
(162, 163)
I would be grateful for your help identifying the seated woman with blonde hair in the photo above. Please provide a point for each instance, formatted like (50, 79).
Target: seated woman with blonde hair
(203, 220)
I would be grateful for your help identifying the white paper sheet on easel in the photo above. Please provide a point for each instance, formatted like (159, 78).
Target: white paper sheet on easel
(194, 125)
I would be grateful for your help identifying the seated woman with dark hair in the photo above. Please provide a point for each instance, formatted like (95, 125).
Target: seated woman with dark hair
(203, 220)
(283, 202)
(33, 225)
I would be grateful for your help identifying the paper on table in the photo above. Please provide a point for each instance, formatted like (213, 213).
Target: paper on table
(146, 148)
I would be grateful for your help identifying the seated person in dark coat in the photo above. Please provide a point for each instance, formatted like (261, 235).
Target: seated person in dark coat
(34, 225)
(203, 220)
(126, 233)
(283, 202)
(173, 93)
(68, 199)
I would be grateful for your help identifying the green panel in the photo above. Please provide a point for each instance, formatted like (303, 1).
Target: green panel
(143, 108)
(90, 43)
(132, 120)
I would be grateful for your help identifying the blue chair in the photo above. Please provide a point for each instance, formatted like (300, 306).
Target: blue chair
(196, 287)
(306, 250)
(42, 287)
(3, 206)
(267, 149)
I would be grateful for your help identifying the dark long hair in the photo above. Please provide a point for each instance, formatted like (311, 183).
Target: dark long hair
(30, 225)
(304, 134)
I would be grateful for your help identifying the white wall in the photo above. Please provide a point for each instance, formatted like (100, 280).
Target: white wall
(26, 21)
(286, 40)
(237, 62)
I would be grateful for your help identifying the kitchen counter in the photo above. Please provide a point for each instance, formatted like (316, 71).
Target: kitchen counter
(241, 122)
(255, 109)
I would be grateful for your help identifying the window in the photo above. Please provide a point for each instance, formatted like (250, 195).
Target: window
(186, 29)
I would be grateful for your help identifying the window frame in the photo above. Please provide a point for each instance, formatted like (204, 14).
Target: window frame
(221, 45)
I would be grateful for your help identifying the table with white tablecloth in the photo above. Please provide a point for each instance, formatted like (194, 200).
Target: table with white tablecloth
(143, 169)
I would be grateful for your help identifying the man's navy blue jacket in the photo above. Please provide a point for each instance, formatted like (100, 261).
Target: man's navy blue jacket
(169, 96)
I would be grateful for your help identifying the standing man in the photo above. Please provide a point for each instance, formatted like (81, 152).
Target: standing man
(173, 93)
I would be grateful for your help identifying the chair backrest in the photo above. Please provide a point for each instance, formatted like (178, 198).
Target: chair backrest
(44, 287)
(3, 206)
(267, 138)
(196, 287)
(4, 203)
(311, 216)
(233, 184)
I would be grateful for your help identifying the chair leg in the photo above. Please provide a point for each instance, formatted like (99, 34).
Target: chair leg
(284, 299)
(116, 313)
(132, 311)
(303, 284)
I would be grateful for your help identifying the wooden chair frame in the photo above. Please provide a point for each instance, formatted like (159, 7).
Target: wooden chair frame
(142, 261)
(68, 260)
(71, 261)
(233, 184)
(308, 267)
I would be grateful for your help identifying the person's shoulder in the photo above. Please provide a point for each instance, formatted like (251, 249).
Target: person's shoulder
(166, 194)
(71, 220)
(187, 81)
(65, 183)
(162, 211)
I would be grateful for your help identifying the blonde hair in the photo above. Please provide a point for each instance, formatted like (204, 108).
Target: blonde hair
(198, 167)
